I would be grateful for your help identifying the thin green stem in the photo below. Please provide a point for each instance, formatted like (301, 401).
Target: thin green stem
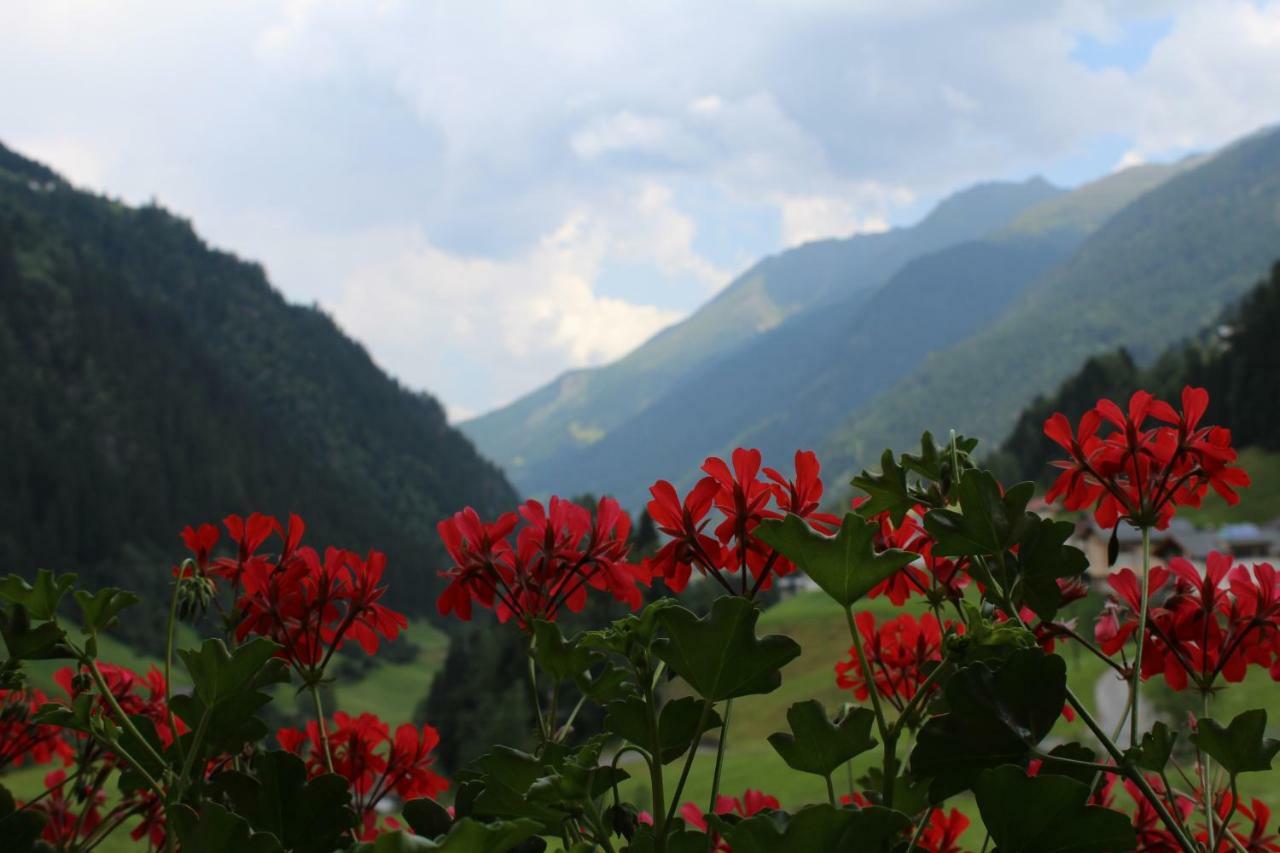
(688, 762)
(720, 745)
(543, 730)
(831, 790)
(188, 762)
(121, 716)
(568, 724)
(655, 762)
(1131, 773)
(1206, 787)
(324, 728)
(924, 821)
(168, 663)
(889, 742)
(1135, 682)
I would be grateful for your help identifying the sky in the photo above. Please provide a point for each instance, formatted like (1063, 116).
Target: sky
(487, 194)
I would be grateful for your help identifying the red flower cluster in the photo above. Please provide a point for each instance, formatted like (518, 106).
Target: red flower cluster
(64, 822)
(1204, 625)
(309, 605)
(752, 802)
(137, 695)
(21, 739)
(901, 653)
(560, 552)
(943, 574)
(1259, 838)
(742, 499)
(1142, 474)
(373, 762)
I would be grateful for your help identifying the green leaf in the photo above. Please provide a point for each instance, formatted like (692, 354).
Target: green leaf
(218, 674)
(562, 660)
(19, 829)
(228, 686)
(1043, 559)
(427, 817)
(100, 609)
(1241, 747)
(988, 522)
(1155, 748)
(306, 815)
(846, 566)
(817, 745)
(1071, 752)
(472, 836)
(886, 491)
(47, 641)
(1047, 814)
(41, 598)
(719, 655)
(995, 717)
(934, 462)
(215, 830)
(677, 724)
(817, 827)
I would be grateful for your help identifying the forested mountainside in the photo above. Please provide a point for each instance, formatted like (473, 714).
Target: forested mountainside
(1157, 271)
(539, 439)
(151, 381)
(1236, 359)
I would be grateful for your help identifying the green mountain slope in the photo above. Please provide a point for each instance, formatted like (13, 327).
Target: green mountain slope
(1237, 359)
(1155, 272)
(150, 381)
(541, 434)
(817, 369)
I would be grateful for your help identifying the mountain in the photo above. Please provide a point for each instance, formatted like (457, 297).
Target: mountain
(541, 438)
(1155, 272)
(151, 381)
(1237, 359)
(796, 383)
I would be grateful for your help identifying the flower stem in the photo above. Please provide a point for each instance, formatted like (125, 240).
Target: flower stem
(889, 741)
(1131, 773)
(720, 744)
(168, 665)
(1135, 683)
(688, 762)
(655, 762)
(1206, 789)
(324, 729)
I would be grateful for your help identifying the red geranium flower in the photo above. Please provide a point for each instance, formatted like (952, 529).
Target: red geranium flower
(561, 552)
(742, 500)
(752, 802)
(65, 819)
(1142, 474)
(311, 607)
(374, 763)
(1208, 624)
(21, 739)
(901, 653)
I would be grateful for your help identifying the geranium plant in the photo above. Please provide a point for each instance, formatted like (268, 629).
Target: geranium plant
(958, 704)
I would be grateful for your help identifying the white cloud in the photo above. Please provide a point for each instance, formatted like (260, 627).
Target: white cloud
(437, 318)
(457, 180)
(814, 218)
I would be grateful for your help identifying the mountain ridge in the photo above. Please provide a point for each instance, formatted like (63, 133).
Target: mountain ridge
(153, 381)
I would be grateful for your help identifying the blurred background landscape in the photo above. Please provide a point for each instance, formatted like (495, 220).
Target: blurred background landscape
(371, 264)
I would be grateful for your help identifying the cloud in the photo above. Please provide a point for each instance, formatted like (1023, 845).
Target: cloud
(482, 331)
(460, 183)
